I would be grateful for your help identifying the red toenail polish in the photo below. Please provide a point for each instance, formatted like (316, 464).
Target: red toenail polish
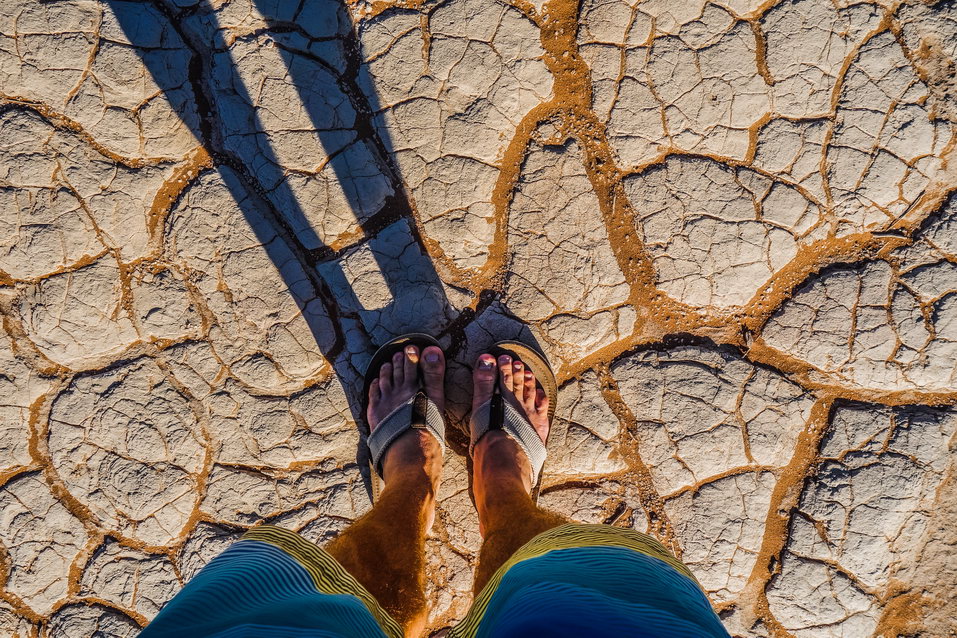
(486, 364)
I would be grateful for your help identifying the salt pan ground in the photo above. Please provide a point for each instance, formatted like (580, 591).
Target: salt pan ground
(730, 224)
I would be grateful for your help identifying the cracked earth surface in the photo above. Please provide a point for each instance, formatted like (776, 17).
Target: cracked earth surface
(732, 226)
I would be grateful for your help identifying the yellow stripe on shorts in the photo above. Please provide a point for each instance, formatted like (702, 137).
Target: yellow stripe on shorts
(328, 575)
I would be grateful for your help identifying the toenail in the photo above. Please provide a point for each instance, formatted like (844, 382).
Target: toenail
(432, 357)
(410, 350)
(528, 374)
(518, 365)
(504, 359)
(486, 364)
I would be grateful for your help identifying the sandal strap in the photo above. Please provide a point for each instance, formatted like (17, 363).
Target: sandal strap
(419, 412)
(517, 426)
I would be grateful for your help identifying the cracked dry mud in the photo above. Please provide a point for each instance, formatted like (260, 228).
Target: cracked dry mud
(732, 225)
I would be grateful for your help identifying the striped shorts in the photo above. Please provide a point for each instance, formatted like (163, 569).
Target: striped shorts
(573, 580)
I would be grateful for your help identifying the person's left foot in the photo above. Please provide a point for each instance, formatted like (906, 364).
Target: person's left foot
(415, 455)
(499, 464)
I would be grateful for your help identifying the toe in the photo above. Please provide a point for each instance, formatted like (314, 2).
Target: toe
(410, 365)
(505, 371)
(528, 391)
(540, 423)
(385, 378)
(518, 380)
(433, 371)
(398, 369)
(375, 395)
(483, 378)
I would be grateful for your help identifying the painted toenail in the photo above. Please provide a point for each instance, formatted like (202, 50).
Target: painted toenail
(410, 350)
(529, 374)
(432, 357)
(486, 364)
(504, 359)
(518, 365)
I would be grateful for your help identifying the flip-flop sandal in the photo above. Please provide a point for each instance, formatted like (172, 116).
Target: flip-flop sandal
(499, 414)
(419, 412)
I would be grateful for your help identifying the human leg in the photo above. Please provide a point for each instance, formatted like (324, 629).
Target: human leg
(385, 549)
(501, 472)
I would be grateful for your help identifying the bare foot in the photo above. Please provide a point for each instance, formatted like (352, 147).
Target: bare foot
(499, 464)
(415, 455)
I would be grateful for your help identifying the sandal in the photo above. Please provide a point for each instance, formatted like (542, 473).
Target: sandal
(498, 414)
(418, 412)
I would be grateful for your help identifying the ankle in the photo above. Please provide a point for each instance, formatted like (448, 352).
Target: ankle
(499, 460)
(501, 481)
(412, 478)
(413, 460)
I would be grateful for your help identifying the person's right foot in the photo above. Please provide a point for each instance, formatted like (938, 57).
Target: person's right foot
(499, 464)
(415, 452)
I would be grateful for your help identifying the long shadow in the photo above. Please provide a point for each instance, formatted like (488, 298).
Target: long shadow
(319, 46)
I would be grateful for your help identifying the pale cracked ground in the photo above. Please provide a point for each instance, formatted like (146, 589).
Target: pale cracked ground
(729, 223)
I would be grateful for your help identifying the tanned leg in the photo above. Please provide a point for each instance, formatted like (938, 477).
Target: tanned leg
(385, 549)
(501, 472)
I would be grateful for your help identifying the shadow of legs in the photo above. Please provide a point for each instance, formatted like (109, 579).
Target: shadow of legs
(385, 550)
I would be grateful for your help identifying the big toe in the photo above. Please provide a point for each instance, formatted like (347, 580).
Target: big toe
(433, 373)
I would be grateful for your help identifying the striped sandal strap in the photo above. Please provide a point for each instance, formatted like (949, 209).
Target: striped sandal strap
(515, 425)
(419, 412)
